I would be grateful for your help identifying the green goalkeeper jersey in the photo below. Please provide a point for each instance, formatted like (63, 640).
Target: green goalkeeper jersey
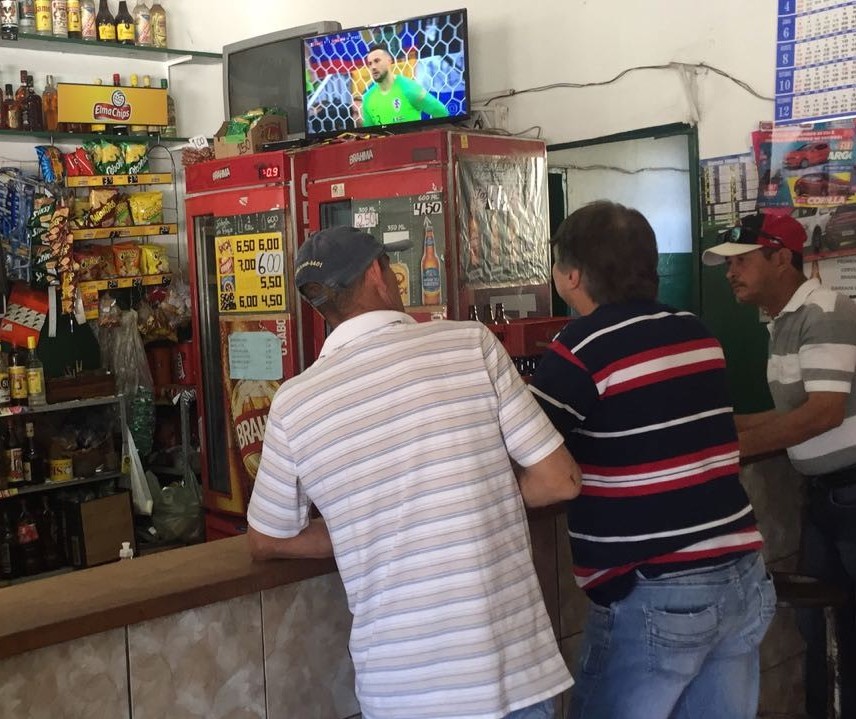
(405, 101)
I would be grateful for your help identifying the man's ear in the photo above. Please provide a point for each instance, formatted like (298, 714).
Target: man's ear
(575, 277)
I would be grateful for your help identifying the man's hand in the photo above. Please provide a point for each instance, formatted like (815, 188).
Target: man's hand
(556, 478)
(312, 543)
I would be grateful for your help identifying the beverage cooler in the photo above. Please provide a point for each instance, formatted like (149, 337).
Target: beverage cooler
(463, 217)
(243, 217)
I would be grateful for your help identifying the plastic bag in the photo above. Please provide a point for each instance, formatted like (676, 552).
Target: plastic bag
(134, 380)
(177, 514)
(140, 490)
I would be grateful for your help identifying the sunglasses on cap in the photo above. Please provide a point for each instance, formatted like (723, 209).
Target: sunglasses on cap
(747, 236)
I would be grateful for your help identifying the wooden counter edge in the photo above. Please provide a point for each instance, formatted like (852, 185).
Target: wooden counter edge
(58, 609)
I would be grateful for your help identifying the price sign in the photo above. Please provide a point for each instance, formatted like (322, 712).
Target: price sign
(251, 272)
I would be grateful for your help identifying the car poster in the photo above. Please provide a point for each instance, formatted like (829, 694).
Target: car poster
(809, 172)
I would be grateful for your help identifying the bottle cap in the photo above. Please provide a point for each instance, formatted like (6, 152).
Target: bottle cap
(116, 79)
(126, 552)
(31, 343)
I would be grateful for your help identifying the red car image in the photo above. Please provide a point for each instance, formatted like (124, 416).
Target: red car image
(810, 153)
(841, 229)
(821, 184)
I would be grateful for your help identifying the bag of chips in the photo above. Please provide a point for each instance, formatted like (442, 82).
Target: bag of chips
(102, 208)
(126, 259)
(106, 157)
(78, 163)
(90, 263)
(154, 260)
(123, 212)
(136, 157)
(147, 208)
(50, 163)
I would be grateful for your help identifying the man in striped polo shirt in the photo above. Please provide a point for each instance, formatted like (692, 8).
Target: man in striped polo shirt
(405, 436)
(663, 536)
(810, 370)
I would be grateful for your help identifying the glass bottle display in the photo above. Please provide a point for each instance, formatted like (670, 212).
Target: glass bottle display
(59, 18)
(158, 25)
(44, 26)
(49, 104)
(143, 25)
(27, 16)
(124, 25)
(74, 19)
(88, 22)
(8, 19)
(35, 376)
(105, 23)
(170, 129)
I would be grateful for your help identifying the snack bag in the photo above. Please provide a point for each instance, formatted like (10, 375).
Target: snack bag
(102, 208)
(123, 212)
(106, 157)
(135, 156)
(147, 208)
(154, 260)
(108, 266)
(126, 258)
(50, 163)
(90, 262)
(78, 163)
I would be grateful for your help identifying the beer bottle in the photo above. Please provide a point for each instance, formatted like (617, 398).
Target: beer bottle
(13, 456)
(499, 316)
(430, 268)
(124, 25)
(473, 314)
(34, 462)
(487, 314)
(8, 550)
(47, 524)
(5, 397)
(17, 378)
(105, 23)
(28, 541)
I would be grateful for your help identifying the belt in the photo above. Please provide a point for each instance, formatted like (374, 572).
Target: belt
(833, 480)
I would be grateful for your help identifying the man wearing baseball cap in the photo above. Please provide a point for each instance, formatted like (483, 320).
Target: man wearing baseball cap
(810, 369)
(407, 438)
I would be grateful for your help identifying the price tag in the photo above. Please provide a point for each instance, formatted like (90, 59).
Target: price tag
(251, 272)
(198, 142)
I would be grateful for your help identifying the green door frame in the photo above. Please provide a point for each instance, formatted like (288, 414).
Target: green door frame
(658, 132)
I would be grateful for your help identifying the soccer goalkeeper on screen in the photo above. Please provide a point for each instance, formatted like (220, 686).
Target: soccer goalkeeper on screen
(394, 98)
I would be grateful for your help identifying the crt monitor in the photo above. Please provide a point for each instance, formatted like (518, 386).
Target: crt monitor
(267, 71)
(407, 73)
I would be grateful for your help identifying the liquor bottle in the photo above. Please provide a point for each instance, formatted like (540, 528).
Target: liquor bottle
(473, 314)
(27, 16)
(119, 129)
(143, 24)
(136, 129)
(17, 379)
(88, 23)
(170, 129)
(105, 23)
(33, 461)
(158, 25)
(21, 92)
(8, 19)
(49, 104)
(44, 26)
(11, 111)
(152, 130)
(47, 524)
(499, 316)
(5, 396)
(430, 268)
(59, 18)
(124, 25)
(35, 376)
(8, 550)
(74, 20)
(31, 113)
(28, 542)
(98, 128)
(487, 314)
(13, 456)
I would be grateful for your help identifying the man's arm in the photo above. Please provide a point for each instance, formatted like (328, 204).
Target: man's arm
(423, 100)
(312, 543)
(556, 478)
(821, 412)
(748, 421)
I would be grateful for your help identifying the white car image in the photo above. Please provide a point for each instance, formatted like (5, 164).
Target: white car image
(814, 220)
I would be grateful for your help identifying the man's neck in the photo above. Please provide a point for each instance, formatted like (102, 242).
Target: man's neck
(386, 83)
(783, 294)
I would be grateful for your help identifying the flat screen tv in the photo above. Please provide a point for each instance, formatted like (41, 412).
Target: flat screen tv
(402, 74)
(267, 71)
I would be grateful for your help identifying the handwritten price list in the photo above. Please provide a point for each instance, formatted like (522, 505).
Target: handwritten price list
(251, 272)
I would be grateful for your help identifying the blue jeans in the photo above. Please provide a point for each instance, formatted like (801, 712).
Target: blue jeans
(681, 645)
(541, 710)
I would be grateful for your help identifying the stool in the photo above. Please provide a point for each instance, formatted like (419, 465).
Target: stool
(799, 591)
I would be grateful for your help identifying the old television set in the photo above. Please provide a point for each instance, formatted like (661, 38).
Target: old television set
(402, 74)
(267, 71)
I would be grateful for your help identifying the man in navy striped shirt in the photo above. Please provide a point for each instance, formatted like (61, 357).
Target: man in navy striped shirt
(663, 536)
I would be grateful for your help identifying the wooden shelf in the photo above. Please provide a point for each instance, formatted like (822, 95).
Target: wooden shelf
(47, 486)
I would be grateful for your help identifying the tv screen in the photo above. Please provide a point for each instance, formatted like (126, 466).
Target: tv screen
(267, 71)
(402, 74)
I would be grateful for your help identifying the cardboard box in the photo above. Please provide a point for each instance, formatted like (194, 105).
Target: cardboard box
(269, 128)
(96, 529)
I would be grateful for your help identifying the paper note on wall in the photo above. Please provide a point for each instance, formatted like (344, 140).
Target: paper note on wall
(255, 355)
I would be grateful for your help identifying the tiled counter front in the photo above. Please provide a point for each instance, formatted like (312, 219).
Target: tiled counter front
(270, 655)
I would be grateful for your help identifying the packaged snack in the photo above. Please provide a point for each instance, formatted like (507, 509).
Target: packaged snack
(126, 258)
(123, 212)
(50, 163)
(135, 156)
(147, 208)
(78, 163)
(90, 263)
(108, 266)
(154, 260)
(102, 207)
(106, 157)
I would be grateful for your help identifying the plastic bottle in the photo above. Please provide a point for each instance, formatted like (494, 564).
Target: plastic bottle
(35, 376)
(158, 25)
(126, 551)
(143, 25)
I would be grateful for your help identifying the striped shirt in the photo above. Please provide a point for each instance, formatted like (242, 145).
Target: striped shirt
(639, 392)
(813, 349)
(401, 434)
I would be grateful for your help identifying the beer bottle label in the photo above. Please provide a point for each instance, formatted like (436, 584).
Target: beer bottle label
(27, 533)
(125, 31)
(35, 382)
(28, 472)
(15, 465)
(18, 382)
(107, 31)
(5, 394)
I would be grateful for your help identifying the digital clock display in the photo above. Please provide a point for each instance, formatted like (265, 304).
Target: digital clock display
(269, 172)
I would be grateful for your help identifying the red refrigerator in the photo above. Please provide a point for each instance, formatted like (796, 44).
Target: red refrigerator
(463, 217)
(244, 216)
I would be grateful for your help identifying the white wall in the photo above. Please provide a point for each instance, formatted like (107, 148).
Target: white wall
(518, 45)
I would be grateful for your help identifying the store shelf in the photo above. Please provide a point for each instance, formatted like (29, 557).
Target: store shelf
(152, 178)
(47, 486)
(29, 41)
(78, 138)
(112, 233)
(34, 577)
(59, 406)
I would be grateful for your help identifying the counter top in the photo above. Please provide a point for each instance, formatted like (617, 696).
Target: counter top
(53, 610)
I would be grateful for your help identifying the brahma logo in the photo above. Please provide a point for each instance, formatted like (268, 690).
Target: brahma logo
(362, 156)
(221, 174)
(119, 109)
